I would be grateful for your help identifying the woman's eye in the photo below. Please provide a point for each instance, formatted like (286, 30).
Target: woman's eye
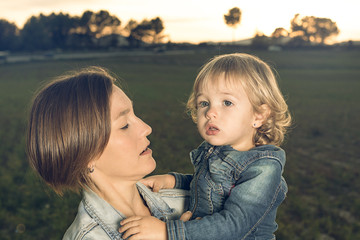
(227, 103)
(203, 104)
(125, 127)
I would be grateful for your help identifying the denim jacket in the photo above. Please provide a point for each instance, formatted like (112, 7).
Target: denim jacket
(97, 219)
(235, 193)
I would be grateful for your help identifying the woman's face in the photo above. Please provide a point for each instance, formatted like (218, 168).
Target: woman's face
(126, 156)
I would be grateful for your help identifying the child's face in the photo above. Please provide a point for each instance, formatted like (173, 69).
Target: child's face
(225, 115)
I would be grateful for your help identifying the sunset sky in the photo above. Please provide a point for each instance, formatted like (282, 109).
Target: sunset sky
(200, 20)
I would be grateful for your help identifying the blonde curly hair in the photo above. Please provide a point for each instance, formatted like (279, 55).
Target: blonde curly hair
(258, 81)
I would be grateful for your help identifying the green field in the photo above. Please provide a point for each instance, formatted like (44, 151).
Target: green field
(323, 147)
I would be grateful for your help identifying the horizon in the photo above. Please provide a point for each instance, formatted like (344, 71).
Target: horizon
(194, 21)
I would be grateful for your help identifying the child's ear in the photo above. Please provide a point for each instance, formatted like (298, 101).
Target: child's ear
(261, 117)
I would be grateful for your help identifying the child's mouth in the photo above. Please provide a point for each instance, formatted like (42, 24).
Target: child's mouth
(212, 130)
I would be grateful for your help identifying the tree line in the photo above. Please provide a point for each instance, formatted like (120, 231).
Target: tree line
(305, 31)
(91, 30)
(96, 30)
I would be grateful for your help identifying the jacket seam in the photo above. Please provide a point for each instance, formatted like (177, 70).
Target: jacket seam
(86, 230)
(266, 212)
(93, 214)
(239, 170)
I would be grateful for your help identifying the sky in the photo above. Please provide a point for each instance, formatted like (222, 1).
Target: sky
(198, 21)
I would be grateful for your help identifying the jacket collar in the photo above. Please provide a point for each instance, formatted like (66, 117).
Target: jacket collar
(228, 153)
(108, 217)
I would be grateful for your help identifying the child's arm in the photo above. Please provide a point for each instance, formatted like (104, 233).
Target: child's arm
(171, 180)
(138, 227)
(158, 182)
(251, 201)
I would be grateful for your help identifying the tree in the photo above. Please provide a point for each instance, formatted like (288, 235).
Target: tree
(260, 41)
(35, 35)
(9, 34)
(140, 33)
(47, 32)
(157, 27)
(279, 35)
(325, 29)
(313, 29)
(59, 27)
(130, 26)
(91, 26)
(146, 31)
(233, 18)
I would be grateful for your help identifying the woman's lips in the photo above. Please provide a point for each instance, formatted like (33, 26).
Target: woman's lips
(147, 150)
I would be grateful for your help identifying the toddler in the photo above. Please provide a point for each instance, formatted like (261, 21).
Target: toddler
(237, 186)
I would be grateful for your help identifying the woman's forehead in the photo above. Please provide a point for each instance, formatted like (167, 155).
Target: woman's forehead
(120, 103)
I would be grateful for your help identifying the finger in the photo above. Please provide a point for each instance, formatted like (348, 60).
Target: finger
(130, 219)
(131, 232)
(156, 188)
(128, 225)
(198, 218)
(186, 216)
(147, 182)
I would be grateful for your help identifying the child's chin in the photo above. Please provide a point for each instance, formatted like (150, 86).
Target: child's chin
(215, 142)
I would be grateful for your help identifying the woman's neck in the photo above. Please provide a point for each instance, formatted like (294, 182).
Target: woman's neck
(123, 196)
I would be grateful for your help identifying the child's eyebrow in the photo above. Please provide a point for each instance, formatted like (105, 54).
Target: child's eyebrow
(198, 94)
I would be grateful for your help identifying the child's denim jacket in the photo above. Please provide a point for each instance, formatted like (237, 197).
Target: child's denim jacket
(235, 193)
(96, 219)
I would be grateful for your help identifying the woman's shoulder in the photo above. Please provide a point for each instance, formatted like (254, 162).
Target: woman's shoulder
(89, 231)
(83, 227)
(88, 225)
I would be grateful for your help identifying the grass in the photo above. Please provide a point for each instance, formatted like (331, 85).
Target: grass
(322, 148)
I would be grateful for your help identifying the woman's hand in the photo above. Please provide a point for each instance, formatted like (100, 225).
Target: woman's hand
(158, 182)
(138, 227)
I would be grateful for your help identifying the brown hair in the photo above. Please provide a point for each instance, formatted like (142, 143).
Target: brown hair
(260, 85)
(70, 125)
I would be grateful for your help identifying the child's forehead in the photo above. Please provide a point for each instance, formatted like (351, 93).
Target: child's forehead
(221, 81)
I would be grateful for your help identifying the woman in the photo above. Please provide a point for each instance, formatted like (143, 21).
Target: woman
(83, 135)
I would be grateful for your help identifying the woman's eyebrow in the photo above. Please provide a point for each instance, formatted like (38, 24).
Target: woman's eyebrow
(122, 113)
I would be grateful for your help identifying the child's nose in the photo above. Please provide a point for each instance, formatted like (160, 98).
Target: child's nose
(211, 113)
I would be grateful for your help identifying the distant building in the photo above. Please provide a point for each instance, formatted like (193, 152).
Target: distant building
(274, 48)
(113, 40)
(3, 56)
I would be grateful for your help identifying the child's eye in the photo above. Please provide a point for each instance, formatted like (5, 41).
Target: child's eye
(125, 127)
(227, 103)
(203, 104)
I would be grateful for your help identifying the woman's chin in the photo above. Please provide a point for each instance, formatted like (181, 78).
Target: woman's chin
(151, 166)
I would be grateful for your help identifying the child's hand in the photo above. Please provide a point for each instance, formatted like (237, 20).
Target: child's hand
(138, 227)
(186, 216)
(158, 182)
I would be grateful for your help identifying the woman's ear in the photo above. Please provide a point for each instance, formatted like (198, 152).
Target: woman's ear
(91, 166)
(261, 117)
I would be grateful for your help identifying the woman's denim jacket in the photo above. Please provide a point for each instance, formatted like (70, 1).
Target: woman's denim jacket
(97, 219)
(235, 193)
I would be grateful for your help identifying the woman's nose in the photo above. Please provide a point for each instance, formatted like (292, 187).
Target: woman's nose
(145, 129)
